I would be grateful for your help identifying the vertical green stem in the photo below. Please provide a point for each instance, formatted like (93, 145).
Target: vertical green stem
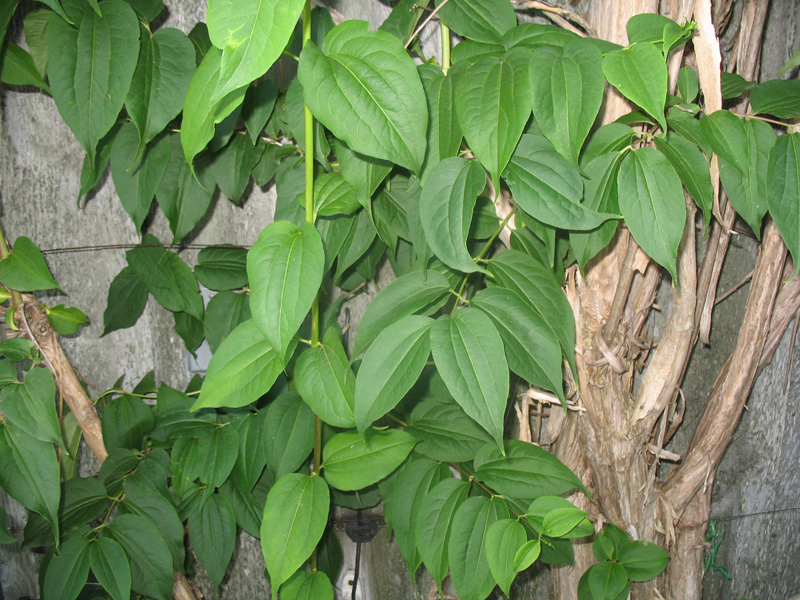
(445, 32)
(16, 298)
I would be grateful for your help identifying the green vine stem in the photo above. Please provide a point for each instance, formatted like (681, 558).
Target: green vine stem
(16, 298)
(445, 33)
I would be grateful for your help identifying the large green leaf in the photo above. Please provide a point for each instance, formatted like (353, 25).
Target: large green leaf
(242, 370)
(651, 198)
(352, 462)
(390, 368)
(549, 188)
(126, 420)
(151, 563)
(606, 580)
(406, 295)
(777, 97)
(29, 473)
(111, 567)
(532, 348)
(212, 533)
(326, 383)
(444, 132)
(525, 472)
(446, 207)
(251, 34)
(783, 192)
(692, 168)
(91, 80)
(639, 72)
(433, 532)
(333, 196)
(308, 586)
(127, 297)
(31, 406)
(224, 313)
(480, 20)
(503, 539)
(289, 434)
(24, 269)
(163, 72)
(567, 92)
(17, 68)
(294, 518)
(220, 268)
(642, 560)
(469, 354)
(469, 568)
(493, 104)
(166, 276)
(445, 432)
(68, 570)
(284, 268)
(217, 452)
(365, 89)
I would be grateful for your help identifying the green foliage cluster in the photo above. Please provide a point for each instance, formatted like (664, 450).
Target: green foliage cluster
(375, 157)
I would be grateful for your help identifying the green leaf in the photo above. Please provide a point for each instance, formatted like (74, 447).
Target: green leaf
(294, 519)
(17, 349)
(289, 434)
(163, 72)
(190, 330)
(567, 93)
(692, 168)
(224, 313)
(24, 269)
(259, 100)
(126, 420)
(284, 268)
(35, 28)
(480, 20)
(444, 132)
(562, 522)
(333, 195)
(549, 188)
(446, 207)
(609, 138)
(791, 63)
(127, 297)
(114, 469)
(525, 472)
(95, 166)
(9, 8)
(526, 555)
(403, 19)
(445, 432)
(639, 72)
(29, 473)
(643, 560)
(241, 371)
(251, 34)
(606, 580)
(212, 533)
(365, 89)
(166, 276)
(31, 406)
(734, 85)
(200, 111)
(68, 570)
(326, 383)
(560, 513)
(66, 321)
(308, 586)
(434, 531)
(469, 354)
(651, 198)
(503, 539)
(111, 567)
(147, 9)
(184, 196)
(136, 182)
(151, 563)
(352, 462)
(688, 84)
(90, 82)
(252, 457)
(363, 173)
(407, 295)
(219, 268)
(17, 68)
(469, 567)
(8, 372)
(609, 542)
(777, 97)
(231, 166)
(493, 104)
(532, 349)
(646, 27)
(783, 192)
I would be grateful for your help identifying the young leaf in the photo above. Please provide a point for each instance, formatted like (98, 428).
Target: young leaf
(783, 192)
(352, 462)
(469, 353)
(525, 472)
(221, 268)
(29, 473)
(480, 20)
(639, 72)
(243, 369)
(526, 555)
(150, 560)
(562, 522)
(294, 518)
(127, 297)
(289, 434)
(90, 82)
(444, 132)
(66, 321)
(163, 72)
(469, 567)
(365, 89)
(212, 533)
(651, 198)
(251, 34)
(606, 580)
(284, 268)
(777, 97)
(445, 432)
(493, 104)
(688, 85)
(433, 533)
(24, 269)
(503, 539)
(692, 168)
(567, 93)
(68, 570)
(642, 560)
(111, 567)
(31, 406)
(446, 207)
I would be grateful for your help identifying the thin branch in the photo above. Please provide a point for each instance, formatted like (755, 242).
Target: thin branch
(561, 13)
(424, 23)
